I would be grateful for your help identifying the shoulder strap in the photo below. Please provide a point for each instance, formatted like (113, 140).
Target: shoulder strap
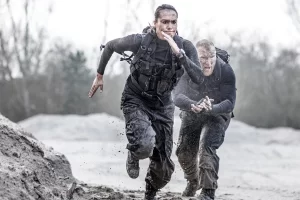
(146, 40)
(223, 55)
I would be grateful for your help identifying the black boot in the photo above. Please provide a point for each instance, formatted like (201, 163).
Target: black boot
(191, 188)
(207, 194)
(132, 166)
(150, 192)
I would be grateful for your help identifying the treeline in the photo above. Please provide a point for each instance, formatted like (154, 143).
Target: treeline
(36, 78)
(60, 88)
(268, 93)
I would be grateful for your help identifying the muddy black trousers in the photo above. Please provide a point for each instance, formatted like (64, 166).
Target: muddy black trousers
(149, 130)
(199, 138)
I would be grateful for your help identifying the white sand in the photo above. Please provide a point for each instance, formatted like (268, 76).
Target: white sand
(255, 163)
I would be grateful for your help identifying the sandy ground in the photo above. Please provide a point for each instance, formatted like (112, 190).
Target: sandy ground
(255, 163)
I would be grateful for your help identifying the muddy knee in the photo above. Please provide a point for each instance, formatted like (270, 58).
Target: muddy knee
(145, 150)
(143, 146)
(186, 158)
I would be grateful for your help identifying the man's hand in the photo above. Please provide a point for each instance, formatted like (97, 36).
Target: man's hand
(98, 82)
(172, 43)
(203, 105)
(197, 108)
(207, 103)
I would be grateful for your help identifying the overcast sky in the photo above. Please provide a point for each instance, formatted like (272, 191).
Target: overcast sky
(82, 21)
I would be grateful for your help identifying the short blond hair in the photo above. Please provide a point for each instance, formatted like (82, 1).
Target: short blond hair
(207, 45)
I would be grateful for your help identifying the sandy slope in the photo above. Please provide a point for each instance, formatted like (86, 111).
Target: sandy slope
(29, 170)
(255, 163)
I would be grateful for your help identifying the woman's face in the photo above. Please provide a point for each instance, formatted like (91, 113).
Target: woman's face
(167, 22)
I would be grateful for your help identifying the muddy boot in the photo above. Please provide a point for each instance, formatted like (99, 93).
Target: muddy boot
(207, 194)
(132, 166)
(150, 192)
(191, 188)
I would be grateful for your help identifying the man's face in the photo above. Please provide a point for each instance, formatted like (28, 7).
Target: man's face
(207, 60)
(167, 22)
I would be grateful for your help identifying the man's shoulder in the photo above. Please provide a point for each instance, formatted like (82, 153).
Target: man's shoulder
(227, 71)
(224, 66)
(227, 67)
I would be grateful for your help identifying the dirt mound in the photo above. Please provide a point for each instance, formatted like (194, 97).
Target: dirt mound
(31, 171)
(28, 169)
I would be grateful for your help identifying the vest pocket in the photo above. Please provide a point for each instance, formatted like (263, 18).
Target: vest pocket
(145, 71)
(163, 86)
(144, 81)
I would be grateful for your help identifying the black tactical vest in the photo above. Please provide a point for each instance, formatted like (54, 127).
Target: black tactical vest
(150, 78)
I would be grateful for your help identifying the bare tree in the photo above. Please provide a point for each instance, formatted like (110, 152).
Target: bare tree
(294, 12)
(5, 59)
(21, 50)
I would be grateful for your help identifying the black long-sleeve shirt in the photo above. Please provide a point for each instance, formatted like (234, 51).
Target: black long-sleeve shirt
(219, 86)
(132, 43)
